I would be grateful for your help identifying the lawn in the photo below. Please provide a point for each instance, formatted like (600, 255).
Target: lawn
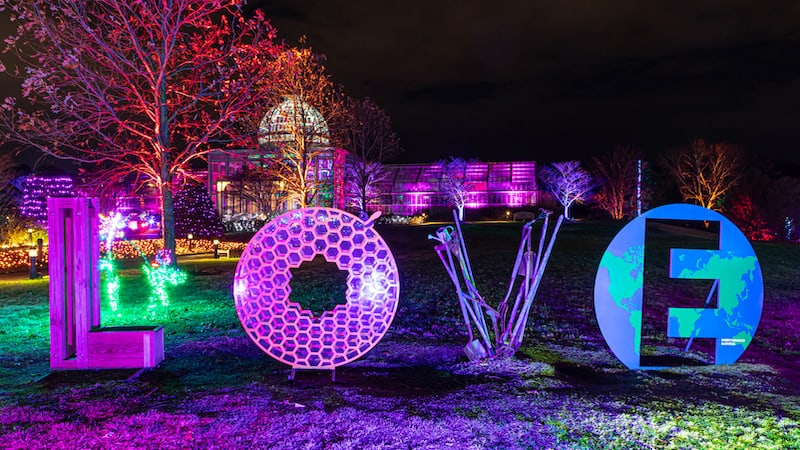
(415, 389)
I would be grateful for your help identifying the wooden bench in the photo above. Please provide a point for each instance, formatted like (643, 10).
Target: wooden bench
(226, 252)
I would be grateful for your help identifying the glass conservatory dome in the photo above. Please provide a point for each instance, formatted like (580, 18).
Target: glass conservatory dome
(292, 114)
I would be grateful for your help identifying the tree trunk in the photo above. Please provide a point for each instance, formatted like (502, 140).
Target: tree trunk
(363, 199)
(168, 220)
(167, 206)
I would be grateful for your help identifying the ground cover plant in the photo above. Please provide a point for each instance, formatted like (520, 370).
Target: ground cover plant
(416, 388)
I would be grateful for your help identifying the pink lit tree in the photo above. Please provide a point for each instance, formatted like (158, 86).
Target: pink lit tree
(568, 182)
(145, 87)
(749, 218)
(454, 182)
(705, 172)
(765, 203)
(367, 133)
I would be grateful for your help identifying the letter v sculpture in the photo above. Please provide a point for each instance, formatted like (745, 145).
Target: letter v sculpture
(496, 332)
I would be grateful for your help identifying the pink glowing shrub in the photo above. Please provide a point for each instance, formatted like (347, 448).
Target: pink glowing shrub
(744, 213)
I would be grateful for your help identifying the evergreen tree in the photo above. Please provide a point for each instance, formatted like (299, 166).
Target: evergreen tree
(195, 214)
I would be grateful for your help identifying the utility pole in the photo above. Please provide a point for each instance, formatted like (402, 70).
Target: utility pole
(639, 188)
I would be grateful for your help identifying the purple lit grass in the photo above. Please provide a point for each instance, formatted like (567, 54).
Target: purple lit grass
(415, 389)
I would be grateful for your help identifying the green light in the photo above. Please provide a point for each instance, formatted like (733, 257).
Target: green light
(108, 270)
(159, 275)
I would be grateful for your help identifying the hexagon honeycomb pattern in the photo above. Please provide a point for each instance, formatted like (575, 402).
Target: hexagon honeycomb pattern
(293, 335)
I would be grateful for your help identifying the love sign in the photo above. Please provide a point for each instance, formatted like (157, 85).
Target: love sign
(294, 335)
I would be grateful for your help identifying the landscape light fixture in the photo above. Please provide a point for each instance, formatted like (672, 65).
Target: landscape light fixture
(33, 253)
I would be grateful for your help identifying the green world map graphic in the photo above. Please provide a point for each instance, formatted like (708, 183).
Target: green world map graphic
(620, 280)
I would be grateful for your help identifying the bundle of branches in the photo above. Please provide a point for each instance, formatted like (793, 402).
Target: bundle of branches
(496, 332)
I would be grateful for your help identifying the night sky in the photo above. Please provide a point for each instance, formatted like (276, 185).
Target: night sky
(552, 80)
(557, 80)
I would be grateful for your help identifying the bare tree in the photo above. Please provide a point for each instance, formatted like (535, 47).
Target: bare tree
(256, 185)
(297, 128)
(362, 183)
(617, 177)
(568, 182)
(367, 133)
(705, 172)
(454, 182)
(143, 86)
(8, 192)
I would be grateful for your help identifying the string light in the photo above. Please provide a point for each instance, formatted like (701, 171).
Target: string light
(13, 259)
(158, 274)
(110, 227)
(196, 215)
(37, 188)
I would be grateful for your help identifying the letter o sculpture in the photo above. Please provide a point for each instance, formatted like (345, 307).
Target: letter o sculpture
(293, 335)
